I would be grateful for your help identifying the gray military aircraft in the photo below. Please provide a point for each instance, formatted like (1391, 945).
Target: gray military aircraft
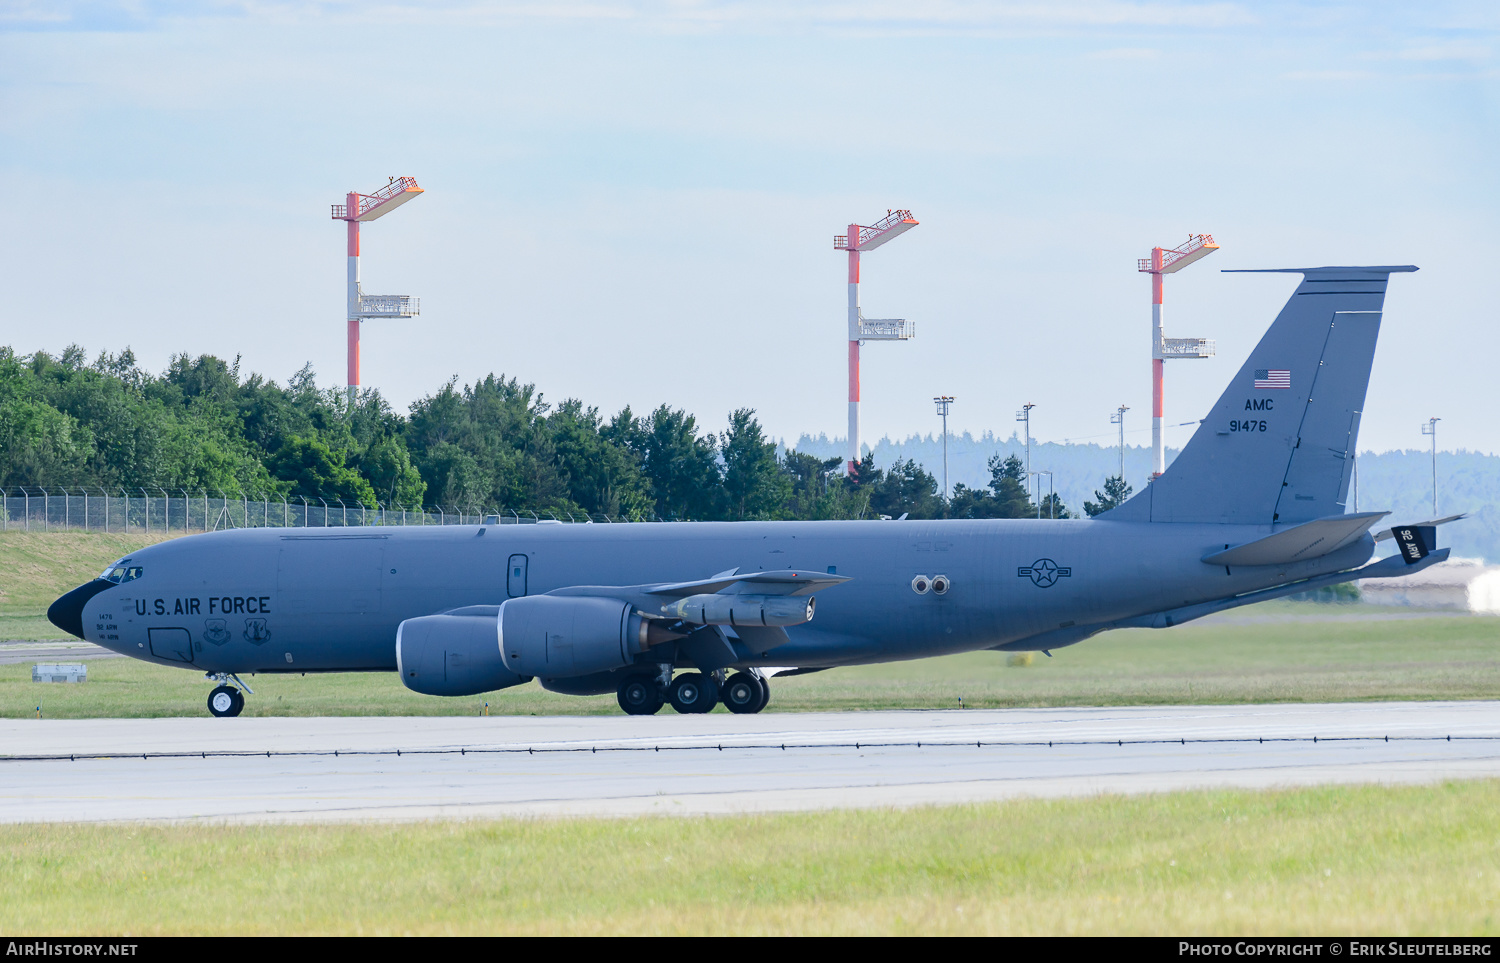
(1252, 509)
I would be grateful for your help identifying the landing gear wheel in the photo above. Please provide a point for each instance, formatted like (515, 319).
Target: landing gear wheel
(225, 700)
(694, 693)
(765, 692)
(744, 693)
(640, 696)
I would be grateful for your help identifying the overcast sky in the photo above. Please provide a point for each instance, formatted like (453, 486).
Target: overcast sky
(634, 203)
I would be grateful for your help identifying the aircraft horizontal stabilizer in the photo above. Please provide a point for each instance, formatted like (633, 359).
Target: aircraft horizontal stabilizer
(1314, 539)
(1385, 568)
(1434, 523)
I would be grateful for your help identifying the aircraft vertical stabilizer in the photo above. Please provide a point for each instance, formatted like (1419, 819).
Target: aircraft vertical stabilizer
(1278, 447)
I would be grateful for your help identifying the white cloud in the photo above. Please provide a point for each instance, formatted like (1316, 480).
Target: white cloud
(1451, 50)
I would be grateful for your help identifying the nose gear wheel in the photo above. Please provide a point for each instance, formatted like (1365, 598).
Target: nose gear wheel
(226, 701)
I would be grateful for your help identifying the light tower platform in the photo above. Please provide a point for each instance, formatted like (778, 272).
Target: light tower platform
(381, 202)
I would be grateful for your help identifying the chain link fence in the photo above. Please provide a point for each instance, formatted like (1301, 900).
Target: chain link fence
(164, 511)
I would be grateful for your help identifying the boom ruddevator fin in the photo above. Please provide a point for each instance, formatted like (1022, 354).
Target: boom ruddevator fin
(1278, 447)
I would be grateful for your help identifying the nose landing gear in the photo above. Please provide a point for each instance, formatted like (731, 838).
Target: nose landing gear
(226, 700)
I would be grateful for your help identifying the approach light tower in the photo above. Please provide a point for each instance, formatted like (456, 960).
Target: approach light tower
(862, 329)
(367, 207)
(1170, 261)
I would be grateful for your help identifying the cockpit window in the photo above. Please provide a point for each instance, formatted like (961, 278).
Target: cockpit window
(122, 572)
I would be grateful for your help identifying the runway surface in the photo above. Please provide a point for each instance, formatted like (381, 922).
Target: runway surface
(52, 650)
(349, 769)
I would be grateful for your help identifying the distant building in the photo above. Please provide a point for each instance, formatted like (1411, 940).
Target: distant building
(1461, 584)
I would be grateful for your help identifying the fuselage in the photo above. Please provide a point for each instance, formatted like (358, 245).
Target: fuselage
(303, 600)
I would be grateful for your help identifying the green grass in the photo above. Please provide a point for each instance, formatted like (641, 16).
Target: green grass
(37, 567)
(1436, 658)
(1308, 861)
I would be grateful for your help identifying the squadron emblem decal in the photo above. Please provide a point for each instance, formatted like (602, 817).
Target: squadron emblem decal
(1044, 572)
(256, 631)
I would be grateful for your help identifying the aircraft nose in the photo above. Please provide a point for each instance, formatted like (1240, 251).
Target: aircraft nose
(67, 612)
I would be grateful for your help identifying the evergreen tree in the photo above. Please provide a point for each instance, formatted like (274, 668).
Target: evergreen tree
(316, 471)
(1052, 507)
(906, 489)
(1006, 498)
(395, 480)
(681, 467)
(1116, 491)
(603, 476)
(818, 491)
(754, 485)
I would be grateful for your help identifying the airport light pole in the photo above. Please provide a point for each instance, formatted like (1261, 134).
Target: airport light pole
(1118, 418)
(858, 240)
(1024, 416)
(1169, 261)
(1431, 429)
(942, 402)
(356, 209)
(1051, 502)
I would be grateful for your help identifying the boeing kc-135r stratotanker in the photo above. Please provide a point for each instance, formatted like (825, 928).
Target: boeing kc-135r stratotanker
(1253, 509)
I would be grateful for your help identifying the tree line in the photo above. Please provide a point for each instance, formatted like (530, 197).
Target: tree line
(495, 444)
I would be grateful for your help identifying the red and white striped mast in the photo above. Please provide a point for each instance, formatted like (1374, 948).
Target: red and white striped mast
(367, 207)
(862, 329)
(1170, 261)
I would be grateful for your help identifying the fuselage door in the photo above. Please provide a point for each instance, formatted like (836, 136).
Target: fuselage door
(515, 577)
(173, 644)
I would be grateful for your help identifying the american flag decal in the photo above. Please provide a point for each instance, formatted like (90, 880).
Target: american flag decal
(1273, 378)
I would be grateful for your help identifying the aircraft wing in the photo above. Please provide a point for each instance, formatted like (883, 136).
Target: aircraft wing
(784, 582)
(1313, 539)
(649, 597)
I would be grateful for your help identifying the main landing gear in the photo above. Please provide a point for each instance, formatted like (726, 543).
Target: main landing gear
(226, 700)
(693, 693)
(746, 693)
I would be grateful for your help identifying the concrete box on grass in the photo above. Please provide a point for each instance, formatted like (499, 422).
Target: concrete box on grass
(59, 672)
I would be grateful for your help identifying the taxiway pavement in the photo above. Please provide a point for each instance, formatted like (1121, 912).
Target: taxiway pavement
(286, 770)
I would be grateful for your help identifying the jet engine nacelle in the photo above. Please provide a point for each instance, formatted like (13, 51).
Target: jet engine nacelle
(742, 609)
(453, 654)
(564, 636)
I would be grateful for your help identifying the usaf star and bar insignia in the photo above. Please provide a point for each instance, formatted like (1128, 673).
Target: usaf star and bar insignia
(1044, 572)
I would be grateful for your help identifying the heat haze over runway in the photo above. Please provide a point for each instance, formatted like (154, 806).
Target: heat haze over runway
(285, 770)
